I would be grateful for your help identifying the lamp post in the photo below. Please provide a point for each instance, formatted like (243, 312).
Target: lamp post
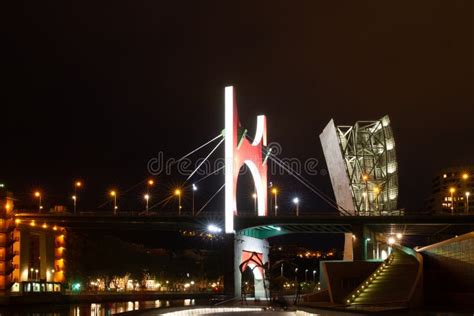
(177, 192)
(113, 194)
(31, 273)
(254, 196)
(365, 178)
(452, 190)
(275, 193)
(74, 201)
(37, 276)
(77, 185)
(40, 205)
(281, 270)
(306, 275)
(366, 241)
(467, 201)
(296, 201)
(314, 276)
(296, 275)
(149, 184)
(194, 190)
(147, 198)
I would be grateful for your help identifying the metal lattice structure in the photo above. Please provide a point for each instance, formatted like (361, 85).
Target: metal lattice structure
(368, 149)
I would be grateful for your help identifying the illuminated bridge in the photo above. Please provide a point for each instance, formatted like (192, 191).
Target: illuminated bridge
(261, 227)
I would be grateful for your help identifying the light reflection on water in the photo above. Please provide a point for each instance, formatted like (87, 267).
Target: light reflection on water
(93, 309)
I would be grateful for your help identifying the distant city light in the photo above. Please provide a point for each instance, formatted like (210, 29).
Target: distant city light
(213, 229)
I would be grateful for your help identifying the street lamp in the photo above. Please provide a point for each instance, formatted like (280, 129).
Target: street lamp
(399, 235)
(365, 247)
(38, 196)
(296, 275)
(306, 275)
(77, 185)
(296, 201)
(452, 190)
(113, 194)
(31, 273)
(254, 195)
(177, 192)
(194, 190)
(467, 201)
(465, 176)
(391, 241)
(275, 193)
(37, 276)
(281, 270)
(74, 201)
(314, 276)
(147, 198)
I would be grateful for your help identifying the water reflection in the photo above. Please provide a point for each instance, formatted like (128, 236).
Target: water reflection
(94, 309)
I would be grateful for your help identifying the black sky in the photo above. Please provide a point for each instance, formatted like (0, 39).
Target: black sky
(95, 89)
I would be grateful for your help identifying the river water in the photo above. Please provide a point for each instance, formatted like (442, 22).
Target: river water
(94, 309)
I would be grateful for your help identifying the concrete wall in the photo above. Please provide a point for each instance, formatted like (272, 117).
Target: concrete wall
(251, 244)
(449, 270)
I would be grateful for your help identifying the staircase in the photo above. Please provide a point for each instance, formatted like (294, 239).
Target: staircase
(393, 283)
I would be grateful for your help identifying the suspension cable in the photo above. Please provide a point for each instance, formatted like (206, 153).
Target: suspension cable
(208, 201)
(193, 151)
(202, 162)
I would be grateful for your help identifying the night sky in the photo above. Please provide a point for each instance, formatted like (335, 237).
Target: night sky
(92, 90)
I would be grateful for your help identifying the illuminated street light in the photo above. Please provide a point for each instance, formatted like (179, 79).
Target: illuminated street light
(40, 205)
(452, 190)
(465, 176)
(74, 201)
(150, 182)
(467, 201)
(113, 194)
(275, 193)
(306, 275)
(77, 185)
(314, 276)
(214, 229)
(391, 241)
(296, 201)
(254, 196)
(177, 192)
(194, 190)
(399, 235)
(147, 198)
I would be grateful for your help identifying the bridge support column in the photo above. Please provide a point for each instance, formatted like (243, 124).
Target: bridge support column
(252, 251)
(354, 244)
